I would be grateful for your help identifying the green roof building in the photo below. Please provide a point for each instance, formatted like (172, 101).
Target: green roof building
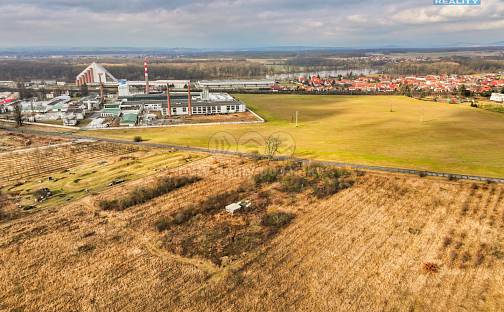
(129, 119)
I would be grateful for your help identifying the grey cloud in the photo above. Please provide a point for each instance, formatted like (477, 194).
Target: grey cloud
(242, 23)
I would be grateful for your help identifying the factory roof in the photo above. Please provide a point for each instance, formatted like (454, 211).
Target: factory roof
(129, 118)
(113, 111)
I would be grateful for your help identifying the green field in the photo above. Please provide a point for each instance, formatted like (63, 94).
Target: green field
(378, 130)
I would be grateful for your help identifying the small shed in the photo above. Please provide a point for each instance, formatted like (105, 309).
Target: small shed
(232, 208)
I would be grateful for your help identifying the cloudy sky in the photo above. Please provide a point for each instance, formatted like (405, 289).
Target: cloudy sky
(247, 23)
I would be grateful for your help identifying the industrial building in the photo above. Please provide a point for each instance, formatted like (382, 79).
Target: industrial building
(95, 74)
(178, 103)
(125, 86)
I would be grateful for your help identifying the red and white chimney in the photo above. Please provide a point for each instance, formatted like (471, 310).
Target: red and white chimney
(146, 71)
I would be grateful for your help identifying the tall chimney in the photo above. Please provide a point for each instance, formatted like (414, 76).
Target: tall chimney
(189, 97)
(146, 71)
(168, 99)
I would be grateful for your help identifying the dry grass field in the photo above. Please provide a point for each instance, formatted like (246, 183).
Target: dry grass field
(383, 242)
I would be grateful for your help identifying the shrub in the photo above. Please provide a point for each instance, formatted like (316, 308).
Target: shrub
(313, 170)
(109, 204)
(86, 248)
(277, 220)
(431, 267)
(268, 175)
(142, 195)
(2, 199)
(293, 183)
(162, 224)
(137, 139)
(182, 217)
(329, 186)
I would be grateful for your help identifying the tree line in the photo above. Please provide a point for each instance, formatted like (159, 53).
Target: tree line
(459, 66)
(42, 70)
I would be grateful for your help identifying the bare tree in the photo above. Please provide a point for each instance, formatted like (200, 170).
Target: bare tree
(272, 146)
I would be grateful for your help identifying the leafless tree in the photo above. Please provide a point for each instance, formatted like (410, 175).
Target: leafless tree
(272, 146)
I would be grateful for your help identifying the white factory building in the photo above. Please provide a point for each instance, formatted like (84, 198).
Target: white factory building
(202, 103)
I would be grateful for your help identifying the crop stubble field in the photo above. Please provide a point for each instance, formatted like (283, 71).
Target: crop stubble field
(385, 242)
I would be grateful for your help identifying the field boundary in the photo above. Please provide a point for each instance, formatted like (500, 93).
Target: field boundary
(455, 176)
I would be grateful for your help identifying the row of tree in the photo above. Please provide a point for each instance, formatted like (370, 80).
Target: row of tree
(447, 66)
(42, 70)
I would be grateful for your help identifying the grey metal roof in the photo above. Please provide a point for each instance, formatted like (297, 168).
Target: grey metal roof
(176, 101)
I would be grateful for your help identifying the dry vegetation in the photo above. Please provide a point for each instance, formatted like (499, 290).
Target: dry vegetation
(312, 239)
(10, 141)
(35, 162)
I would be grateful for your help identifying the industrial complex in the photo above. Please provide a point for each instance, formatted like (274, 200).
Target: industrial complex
(129, 103)
(136, 103)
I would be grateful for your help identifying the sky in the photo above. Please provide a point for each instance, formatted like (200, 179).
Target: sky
(233, 24)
